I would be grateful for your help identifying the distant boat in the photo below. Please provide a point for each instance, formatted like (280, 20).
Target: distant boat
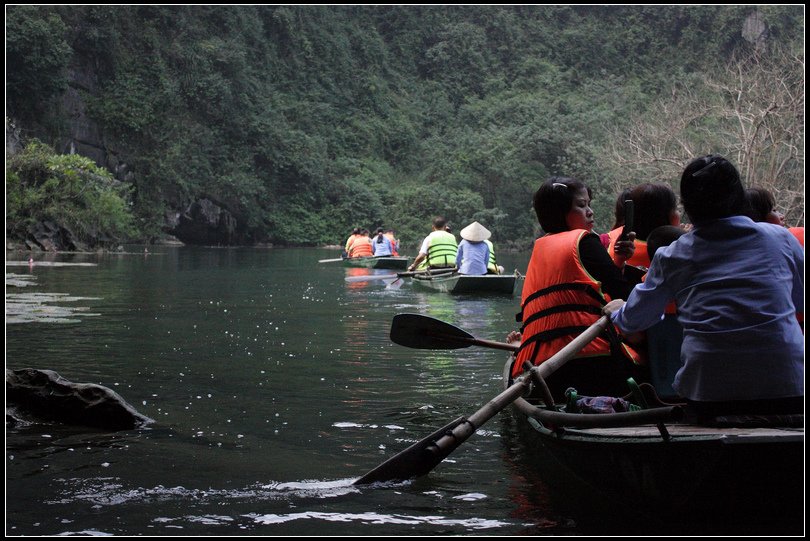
(382, 262)
(467, 284)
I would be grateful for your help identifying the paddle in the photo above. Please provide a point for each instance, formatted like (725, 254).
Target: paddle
(425, 332)
(368, 277)
(423, 456)
(330, 260)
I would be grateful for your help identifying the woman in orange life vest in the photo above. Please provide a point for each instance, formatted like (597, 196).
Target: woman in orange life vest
(389, 233)
(569, 278)
(655, 205)
(361, 246)
(355, 234)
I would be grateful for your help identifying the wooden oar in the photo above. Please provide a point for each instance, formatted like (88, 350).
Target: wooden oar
(425, 332)
(330, 260)
(369, 277)
(423, 456)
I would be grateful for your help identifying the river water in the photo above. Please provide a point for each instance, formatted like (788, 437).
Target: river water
(273, 385)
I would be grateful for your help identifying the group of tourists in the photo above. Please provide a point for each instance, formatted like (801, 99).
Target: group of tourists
(474, 255)
(362, 244)
(714, 308)
(728, 290)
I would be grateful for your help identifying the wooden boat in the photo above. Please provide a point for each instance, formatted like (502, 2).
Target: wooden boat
(674, 469)
(461, 284)
(383, 262)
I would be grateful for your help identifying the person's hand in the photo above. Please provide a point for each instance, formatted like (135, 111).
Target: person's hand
(612, 307)
(624, 249)
(513, 337)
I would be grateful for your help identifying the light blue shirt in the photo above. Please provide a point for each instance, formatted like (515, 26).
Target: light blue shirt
(472, 257)
(738, 285)
(381, 248)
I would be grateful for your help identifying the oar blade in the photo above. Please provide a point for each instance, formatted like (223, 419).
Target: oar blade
(424, 332)
(415, 461)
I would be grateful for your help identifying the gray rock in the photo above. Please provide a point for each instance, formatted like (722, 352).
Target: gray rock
(50, 397)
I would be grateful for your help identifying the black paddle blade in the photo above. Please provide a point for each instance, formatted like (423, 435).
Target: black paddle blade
(424, 332)
(415, 461)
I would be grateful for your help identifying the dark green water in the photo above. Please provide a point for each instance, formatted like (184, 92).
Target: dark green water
(273, 385)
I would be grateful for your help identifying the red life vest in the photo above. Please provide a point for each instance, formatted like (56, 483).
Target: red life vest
(394, 243)
(798, 232)
(361, 247)
(559, 301)
(640, 257)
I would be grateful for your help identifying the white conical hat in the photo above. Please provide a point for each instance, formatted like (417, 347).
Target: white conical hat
(475, 232)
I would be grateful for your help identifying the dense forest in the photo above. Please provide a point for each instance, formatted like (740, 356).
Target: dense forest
(293, 124)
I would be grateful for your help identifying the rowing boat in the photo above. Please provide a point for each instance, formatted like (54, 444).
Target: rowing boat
(461, 284)
(382, 262)
(748, 468)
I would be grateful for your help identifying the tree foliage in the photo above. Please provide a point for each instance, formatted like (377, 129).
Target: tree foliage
(68, 190)
(307, 121)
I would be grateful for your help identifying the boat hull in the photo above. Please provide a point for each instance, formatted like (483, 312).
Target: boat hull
(385, 262)
(703, 473)
(460, 284)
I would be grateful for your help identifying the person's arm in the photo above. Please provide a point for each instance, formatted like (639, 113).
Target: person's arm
(460, 254)
(422, 254)
(646, 303)
(600, 265)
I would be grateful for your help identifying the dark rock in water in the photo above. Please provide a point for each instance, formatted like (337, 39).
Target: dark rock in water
(50, 397)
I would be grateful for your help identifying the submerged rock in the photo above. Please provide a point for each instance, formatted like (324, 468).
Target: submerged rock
(50, 397)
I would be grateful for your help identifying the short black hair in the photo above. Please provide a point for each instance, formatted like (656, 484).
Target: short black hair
(760, 203)
(653, 205)
(711, 188)
(439, 222)
(662, 236)
(554, 199)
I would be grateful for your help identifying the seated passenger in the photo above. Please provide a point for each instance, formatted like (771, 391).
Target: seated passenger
(743, 350)
(569, 275)
(438, 250)
(473, 253)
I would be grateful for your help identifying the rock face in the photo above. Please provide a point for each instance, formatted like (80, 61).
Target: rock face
(50, 397)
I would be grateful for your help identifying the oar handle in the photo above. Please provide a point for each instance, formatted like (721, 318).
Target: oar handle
(478, 342)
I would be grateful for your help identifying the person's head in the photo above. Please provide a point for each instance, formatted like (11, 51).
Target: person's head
(563, 204)
(379, 235)
(618, 211)
(439, 223)
(662, 236)
(711, 188)
(356, 231)
(762, 206)
(654, 205)
(365, 232)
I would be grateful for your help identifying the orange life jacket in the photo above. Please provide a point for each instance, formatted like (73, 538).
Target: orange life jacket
(640, 257)
(361, 247)
(353, 237)
(798, 232)
(559, 301)
(394, 243)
